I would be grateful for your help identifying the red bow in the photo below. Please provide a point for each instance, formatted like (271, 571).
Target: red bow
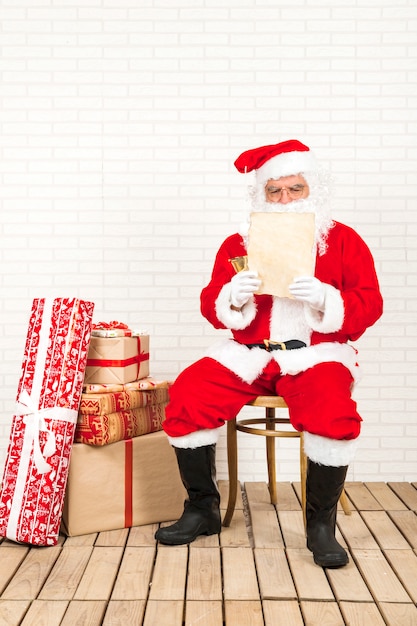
(109, 325)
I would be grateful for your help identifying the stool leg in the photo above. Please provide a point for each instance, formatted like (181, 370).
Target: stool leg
(232, 466)
(303, 478)
(345, 503)
(270, 456)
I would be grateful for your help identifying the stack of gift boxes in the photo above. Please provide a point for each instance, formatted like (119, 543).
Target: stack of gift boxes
(123, 471)
(87, 452)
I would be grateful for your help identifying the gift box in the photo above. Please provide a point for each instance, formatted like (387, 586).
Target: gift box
(103, 429)
(117, 359)
(128, 483)
(110, 413)
(110, 402)
(113, 329)
(143, 384)
(42, 432)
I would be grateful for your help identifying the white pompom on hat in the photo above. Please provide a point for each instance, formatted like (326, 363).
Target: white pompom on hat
(275, 161)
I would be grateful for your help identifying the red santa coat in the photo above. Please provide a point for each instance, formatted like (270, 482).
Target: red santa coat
(205, 395)
(353, 303)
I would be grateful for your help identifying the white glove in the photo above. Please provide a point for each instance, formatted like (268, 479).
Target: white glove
(243, 285)
(309, 289)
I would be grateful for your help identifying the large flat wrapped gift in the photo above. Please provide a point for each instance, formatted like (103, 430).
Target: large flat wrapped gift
(112, 401)
(117, 359)
(100, 430)
(110, 413)
(143, 384)
(128, 483)
(42, 432)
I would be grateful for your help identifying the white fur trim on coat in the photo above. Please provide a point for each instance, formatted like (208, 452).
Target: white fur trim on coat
(288, 321)
(331, 320)
(330, 452)
(296, 361)
(197, 439)
(235, 320)
(248, 364)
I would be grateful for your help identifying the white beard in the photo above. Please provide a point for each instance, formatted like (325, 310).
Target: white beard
(317, 203)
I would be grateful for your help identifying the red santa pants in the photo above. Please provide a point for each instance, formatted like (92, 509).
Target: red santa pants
(207, 394)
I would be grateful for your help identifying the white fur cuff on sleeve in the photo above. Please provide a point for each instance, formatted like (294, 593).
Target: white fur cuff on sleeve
(331, 320)
(235, 320)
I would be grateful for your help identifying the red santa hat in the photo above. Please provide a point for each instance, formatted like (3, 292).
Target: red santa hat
(277, 160)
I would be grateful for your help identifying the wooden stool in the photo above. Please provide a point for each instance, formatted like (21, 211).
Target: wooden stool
(269, 403)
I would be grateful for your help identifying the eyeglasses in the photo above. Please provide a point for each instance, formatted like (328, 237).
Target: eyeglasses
(293, 192)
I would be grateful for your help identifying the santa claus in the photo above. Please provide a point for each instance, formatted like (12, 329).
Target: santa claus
(296, 347)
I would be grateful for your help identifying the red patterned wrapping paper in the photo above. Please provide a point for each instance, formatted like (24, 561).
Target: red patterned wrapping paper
(114, 329)
(101, 430)
(143, 384)
(42, 432)
(112, 402)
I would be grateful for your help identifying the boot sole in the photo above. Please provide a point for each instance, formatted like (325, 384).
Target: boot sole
(180, 542)
(331, 564)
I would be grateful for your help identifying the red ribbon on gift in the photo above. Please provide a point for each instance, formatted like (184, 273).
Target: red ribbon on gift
(119, 362)
(133, 360)
(128, 483)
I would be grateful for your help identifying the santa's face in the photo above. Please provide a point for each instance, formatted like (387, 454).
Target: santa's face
(286, 189)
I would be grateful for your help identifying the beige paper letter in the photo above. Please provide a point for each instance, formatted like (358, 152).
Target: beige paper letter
(281, 247)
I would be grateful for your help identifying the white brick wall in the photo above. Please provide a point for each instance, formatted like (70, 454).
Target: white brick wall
(120, 122)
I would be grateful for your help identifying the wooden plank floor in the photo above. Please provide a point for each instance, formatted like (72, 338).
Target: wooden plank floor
(258, 572)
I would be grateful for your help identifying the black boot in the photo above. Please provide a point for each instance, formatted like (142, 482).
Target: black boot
(324, 487)
(201, 514)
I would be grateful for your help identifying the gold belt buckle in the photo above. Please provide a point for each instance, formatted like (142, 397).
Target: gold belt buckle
(269, 343)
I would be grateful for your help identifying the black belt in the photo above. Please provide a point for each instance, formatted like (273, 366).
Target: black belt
(292, 344)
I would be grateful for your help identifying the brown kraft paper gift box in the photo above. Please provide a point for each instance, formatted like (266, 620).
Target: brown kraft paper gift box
(123, 484)
(117, 359)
